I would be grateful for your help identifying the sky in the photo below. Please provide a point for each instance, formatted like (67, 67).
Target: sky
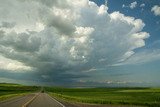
(80, 43)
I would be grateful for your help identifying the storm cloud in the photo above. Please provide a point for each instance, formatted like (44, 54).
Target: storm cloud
(57, 40)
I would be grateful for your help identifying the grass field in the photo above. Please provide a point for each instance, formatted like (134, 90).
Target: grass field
(12, 90)
(119, 96)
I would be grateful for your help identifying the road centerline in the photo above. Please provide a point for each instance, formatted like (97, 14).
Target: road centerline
(28, 102)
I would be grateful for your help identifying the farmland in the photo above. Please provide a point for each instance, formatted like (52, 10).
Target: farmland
(115, 96)
(103, 96)
(12, 90)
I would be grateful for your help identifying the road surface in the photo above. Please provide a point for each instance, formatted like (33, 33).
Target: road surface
(33, 100)
(44, 100)
(17, 102)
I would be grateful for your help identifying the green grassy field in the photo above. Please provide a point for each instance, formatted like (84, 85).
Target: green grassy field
(119, 96)
(13, 90)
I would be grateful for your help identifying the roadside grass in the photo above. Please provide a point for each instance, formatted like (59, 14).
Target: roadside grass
(13, 90)
(119, 96)
(8, 96)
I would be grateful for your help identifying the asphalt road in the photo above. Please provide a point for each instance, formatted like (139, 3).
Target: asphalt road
(44, 100)
(33, 100)
(17, 102)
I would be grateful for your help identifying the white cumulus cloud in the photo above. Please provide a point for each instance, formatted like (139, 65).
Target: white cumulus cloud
(133, 5)
(142, 5)
(59, 37)
(156, 10)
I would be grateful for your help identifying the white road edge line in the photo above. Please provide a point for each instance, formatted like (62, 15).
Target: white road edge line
(56, 101)
(28, 102)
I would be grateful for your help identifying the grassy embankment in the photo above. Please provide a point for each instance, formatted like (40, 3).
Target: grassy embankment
(12, 90)
(118, 96)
